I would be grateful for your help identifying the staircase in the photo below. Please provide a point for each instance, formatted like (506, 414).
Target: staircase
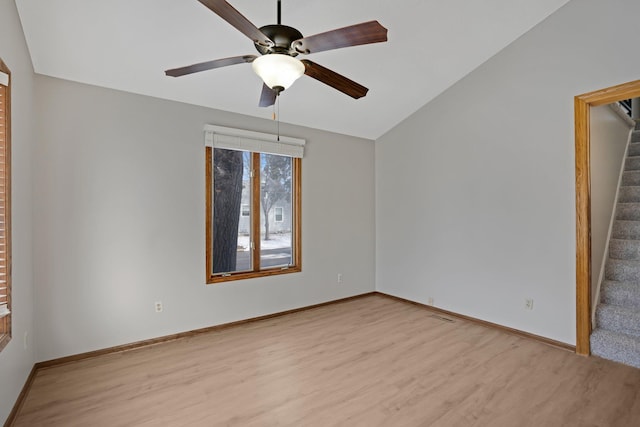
(617, 333)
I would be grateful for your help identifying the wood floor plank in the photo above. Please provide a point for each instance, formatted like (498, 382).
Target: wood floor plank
(372, 361)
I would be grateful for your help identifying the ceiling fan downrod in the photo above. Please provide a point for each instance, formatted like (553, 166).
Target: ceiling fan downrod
(279, 12)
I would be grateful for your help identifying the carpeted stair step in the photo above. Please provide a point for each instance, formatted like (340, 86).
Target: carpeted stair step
(622, 270)
(637, 125)
(624, 249)
(635, 135)
(623, 294)
(631, 178)
(620, 348)
(618, 319)
(629, 194)
(628, 211)
(634, 148)
(629, 230)
(632, 163)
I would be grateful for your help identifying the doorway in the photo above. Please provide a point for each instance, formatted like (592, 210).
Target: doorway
(582, 105)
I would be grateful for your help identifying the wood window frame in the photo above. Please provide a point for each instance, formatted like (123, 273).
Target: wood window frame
(582, 105)
(5, 264)
(296, 213)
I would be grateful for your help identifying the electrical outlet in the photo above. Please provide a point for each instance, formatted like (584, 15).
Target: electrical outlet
(339, 277)
(430, 301)
(158, 306)
(528, 303)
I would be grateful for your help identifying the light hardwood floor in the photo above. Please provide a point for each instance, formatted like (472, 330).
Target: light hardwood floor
(372, 361)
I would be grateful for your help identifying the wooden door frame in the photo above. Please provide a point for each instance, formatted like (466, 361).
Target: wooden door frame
(583, 201)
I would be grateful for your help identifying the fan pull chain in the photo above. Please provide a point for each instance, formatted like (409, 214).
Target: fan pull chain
(277, 116)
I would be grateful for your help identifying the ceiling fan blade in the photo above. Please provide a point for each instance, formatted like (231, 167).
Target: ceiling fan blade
(209, 65)
(354, 35)
(267, 97)
(335, 80)
(227, 12)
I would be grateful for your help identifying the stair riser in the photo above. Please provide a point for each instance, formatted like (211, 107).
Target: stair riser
(624, 249)
(635, 136)
(626, 230)
(612, 320)
(631, 177)
(613, 347)
(628, 211)
(622, 270)
(629, 194)
(621, 296)
(634, 148)
(632, 164)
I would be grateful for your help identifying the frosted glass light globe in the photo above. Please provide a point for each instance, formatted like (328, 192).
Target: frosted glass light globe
(278, 70)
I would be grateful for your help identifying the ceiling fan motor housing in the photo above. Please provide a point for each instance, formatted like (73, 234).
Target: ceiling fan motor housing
(282, 37)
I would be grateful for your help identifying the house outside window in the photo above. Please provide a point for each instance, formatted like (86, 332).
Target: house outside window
(279, 214)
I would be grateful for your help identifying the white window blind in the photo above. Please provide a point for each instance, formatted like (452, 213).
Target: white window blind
(257, 142)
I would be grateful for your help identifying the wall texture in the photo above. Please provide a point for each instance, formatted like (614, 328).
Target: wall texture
(17, 359)
(475, 196)
(119, 186)
(609, 137)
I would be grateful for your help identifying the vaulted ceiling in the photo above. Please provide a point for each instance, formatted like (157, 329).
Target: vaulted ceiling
(127, 45)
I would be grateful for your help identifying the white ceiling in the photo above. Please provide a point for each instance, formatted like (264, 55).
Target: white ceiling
(127, 45)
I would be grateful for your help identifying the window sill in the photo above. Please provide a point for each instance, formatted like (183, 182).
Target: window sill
(251, 275)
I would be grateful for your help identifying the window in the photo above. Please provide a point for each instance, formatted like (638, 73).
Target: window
(5, 205)
(253, 212)
(279, 214)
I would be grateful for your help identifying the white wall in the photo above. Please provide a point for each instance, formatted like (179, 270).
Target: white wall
(609, 137)
(475, 197)
(119, 220)
(15, 360)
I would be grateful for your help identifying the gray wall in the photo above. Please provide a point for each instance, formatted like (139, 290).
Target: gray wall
(119, 220)
(474, 199)
(16, 361)
(475, 193)
(609, 137)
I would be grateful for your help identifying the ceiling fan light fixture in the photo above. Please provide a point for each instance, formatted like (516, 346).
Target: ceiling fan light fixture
(278, 70)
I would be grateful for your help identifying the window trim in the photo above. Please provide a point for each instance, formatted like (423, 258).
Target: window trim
(269, 141)
(7, 320)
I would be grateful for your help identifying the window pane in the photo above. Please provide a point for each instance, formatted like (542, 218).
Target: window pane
(231, 230)
(243, 240)
(275, 211)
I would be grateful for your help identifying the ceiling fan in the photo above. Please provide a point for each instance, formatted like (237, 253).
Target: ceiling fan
(279, 45)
